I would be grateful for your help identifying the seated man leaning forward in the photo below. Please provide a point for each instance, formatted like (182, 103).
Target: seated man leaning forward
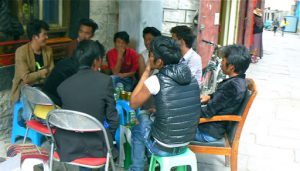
(123, 61)
(91, 92)
(229, 94)
(177, 108)
(68, 66)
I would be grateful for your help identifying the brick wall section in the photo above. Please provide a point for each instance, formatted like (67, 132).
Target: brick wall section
(178, 12)
(105, 14)
(5, 115)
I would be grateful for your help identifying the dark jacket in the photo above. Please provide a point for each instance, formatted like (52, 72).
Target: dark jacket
(258, 25)
(177, 105)
(62, 70)
(92, 93)
(226, 100)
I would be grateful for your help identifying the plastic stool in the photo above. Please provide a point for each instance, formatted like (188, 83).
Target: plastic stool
(28, 164)
(188, 158)
(121, 114)
(124, 108)
(31, 155)
(19, 129)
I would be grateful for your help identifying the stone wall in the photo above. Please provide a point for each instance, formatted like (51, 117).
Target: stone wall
(5, 115)
(178, 12)
(105, 14)
(6, 75)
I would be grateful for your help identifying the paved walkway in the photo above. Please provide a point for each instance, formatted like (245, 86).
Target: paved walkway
(271, 137)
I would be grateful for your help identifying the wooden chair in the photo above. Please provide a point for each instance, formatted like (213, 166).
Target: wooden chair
(228, 146)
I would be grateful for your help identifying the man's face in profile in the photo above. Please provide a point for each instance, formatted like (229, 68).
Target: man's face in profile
(42, 37)
(147, 40)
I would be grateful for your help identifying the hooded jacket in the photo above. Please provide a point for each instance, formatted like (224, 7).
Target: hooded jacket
(177, 105)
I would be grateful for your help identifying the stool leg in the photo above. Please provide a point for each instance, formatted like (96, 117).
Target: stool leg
(13, 137)
(181, 168)
(15, 125)
(152, 163)
(164, 164)
(36, 138)
(194, 167)
(194, 163)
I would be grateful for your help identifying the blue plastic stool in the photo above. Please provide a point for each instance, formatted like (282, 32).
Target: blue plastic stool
(122, 120)
(181, 161)
(123, 106)
(123, 109)
(19, 129)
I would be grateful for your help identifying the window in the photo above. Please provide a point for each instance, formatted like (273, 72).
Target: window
(55, 12)
(51, 12)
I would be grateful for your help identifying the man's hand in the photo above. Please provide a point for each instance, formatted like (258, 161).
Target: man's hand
(204, 98)
(44, 72)
(148, 68)
(121, 75)
(121, 52)
(152, 110)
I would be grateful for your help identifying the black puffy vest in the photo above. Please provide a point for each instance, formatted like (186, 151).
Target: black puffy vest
(177, 105)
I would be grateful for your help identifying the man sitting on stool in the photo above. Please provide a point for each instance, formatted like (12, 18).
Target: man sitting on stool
(177, 107)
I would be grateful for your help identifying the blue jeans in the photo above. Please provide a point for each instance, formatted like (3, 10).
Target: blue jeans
(89, 169)
(26, 110)
(203, 137)
(127, 82)
(140, 138)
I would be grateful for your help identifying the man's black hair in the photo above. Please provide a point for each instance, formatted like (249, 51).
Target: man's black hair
(87, 51)
(35, 27)
(238, 56)
(166, 49)
(90, 23)
(185, 33)
(123, 35)
(152, 30)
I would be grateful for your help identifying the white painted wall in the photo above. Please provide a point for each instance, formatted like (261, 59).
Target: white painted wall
(135, 15)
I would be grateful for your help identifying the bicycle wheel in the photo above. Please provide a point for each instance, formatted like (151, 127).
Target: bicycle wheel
(207, 82)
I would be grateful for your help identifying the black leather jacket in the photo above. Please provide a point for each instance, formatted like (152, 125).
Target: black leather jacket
(177, 105)
(226, 100)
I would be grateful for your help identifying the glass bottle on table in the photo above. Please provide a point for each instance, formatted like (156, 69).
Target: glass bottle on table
(120, 86)
(131, 119)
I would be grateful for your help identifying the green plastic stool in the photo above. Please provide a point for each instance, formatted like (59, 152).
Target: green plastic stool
(188, 158)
